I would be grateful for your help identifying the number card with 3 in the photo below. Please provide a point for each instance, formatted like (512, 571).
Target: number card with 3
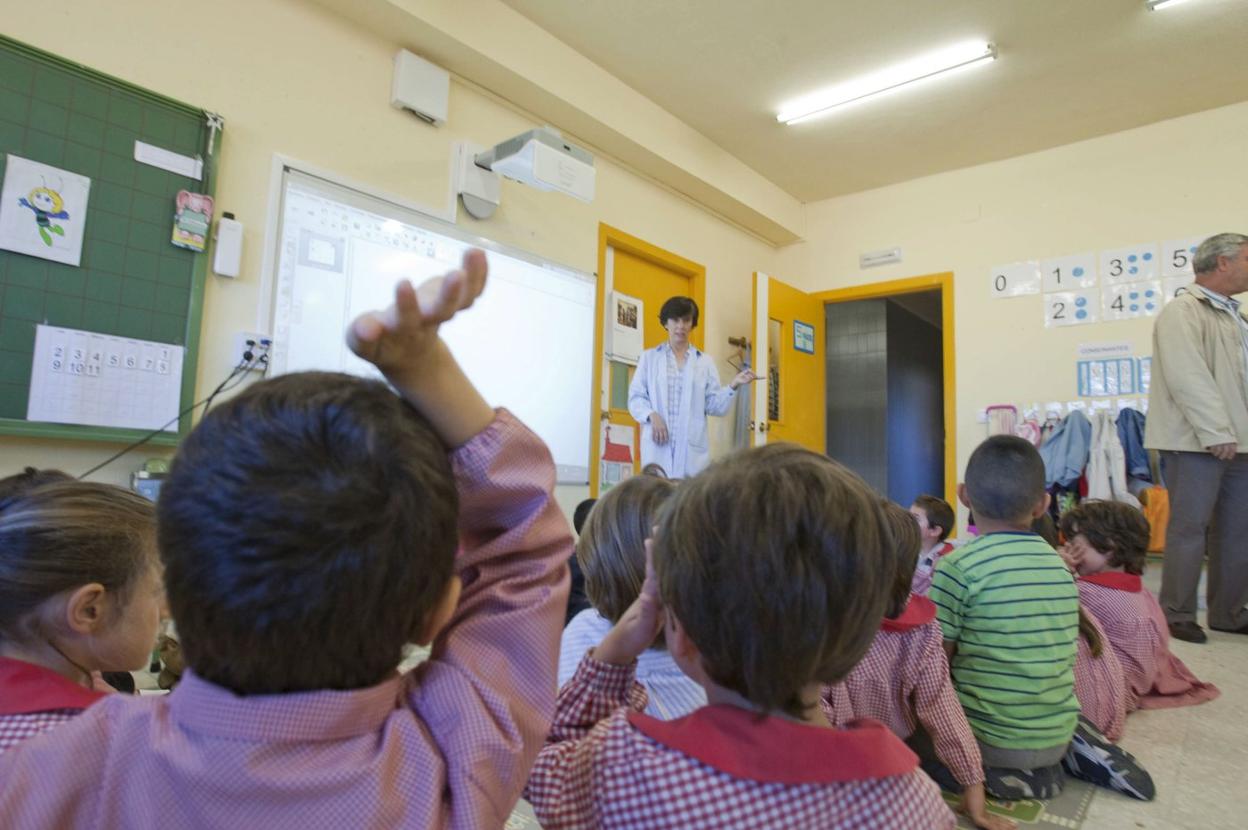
(1123, 265)
(1067, 273)
(1070, 308)
(1138, 299)
(1015, 279)
(1177, 256)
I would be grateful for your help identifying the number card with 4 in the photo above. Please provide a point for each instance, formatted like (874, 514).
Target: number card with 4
(1123, 265)
(1070, 308)
(1015, 279)
(1177, 256)
(1067, 273)
(1138, 299)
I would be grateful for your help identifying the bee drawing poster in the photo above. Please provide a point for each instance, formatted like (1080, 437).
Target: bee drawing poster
(43, 210)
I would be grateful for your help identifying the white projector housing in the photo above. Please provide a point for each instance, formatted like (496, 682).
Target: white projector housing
(541, 158)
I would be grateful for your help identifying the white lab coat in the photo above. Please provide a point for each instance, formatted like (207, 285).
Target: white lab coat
(1107, 462)
(686, 452)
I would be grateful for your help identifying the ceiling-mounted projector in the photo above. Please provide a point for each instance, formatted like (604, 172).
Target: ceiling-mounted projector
(541, 158)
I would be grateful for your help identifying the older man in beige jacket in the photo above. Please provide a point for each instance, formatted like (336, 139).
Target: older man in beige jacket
(1198, 419)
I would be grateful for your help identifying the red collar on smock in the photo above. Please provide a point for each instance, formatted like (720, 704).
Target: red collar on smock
(757, 747)
(919, 611)
(27, 688)
(1117, 580)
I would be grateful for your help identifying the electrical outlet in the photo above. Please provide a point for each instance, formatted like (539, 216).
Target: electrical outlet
(257, 345)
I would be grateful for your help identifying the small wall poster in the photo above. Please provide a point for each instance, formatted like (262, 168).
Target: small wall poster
(803, 337)
(43, 211)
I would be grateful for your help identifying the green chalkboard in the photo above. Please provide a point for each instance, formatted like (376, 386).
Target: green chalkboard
(132, 282)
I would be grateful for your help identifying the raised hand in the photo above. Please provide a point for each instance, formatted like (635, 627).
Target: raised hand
(640, 624)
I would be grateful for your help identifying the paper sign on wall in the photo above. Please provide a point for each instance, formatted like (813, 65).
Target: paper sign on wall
(1070, 308)
(1136, 299)
(1015, 279)
(43, 210)
(1131, 264)
(1177, 256)
(1065, 273)
(1172, 287)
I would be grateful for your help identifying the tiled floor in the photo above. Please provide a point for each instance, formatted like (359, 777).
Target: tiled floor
(1198, 756)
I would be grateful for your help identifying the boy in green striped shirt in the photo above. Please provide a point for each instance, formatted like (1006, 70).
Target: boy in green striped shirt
(1009, 610)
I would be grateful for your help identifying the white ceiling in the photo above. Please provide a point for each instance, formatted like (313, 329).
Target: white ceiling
(1068, 70)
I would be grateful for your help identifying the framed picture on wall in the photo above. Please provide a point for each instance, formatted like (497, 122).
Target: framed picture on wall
(803, 337)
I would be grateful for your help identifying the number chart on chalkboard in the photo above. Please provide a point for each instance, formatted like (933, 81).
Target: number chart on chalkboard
(93, 166)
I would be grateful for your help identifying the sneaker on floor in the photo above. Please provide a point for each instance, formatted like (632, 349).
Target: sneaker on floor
(1093, 758)
(1188, 632)
(1016, 784)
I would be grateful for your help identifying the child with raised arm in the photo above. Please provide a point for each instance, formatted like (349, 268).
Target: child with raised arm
(769, 577)
(310, 528)
(903, 681)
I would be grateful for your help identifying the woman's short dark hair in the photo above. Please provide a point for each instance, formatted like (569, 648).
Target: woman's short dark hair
(678, 307)
(777, 562)
(308, 528)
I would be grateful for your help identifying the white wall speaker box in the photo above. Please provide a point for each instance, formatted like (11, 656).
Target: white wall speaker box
(421, 87)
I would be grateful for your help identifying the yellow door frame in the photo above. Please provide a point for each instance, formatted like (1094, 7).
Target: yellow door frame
(913, 285)
(610, 237)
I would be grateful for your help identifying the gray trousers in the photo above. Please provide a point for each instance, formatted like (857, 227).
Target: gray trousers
(1208, 513)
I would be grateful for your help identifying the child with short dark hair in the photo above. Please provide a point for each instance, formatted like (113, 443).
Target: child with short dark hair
(1010, 616)
(769, 574)
(935, 517)
(310, 528)
(612, 556)
(80, 594)
(1107, 543)
(903, 681)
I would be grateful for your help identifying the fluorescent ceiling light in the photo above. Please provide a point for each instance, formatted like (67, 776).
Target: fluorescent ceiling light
(1155, 5)
(960, 56)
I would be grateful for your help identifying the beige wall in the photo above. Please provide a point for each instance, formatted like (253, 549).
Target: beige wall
(1166, 181)
(291, 77)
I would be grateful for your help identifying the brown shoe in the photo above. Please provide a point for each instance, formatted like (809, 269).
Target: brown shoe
(1188, 632)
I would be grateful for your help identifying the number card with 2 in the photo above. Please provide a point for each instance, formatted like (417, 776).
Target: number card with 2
(1070, 308)
(1067, 273)
(1123, 265)
(1015, 280)
(1137, 299)
(1177, 256)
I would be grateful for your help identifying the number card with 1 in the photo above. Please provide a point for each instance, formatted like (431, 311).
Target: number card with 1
(1015, 279)
(1177, 256)
(1070, 308)
(1137, 299)
(1123, 265)
(1172, 287)
(1067, 273)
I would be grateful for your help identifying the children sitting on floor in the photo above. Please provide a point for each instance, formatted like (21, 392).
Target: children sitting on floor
(1009, 612)
(935, 518)
(770, 573)
(1107, 543)
(80, 594)
(310, 528)
(611, 552)
(903, 681)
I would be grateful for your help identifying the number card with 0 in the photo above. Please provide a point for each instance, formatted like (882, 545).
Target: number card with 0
(1177, 256)
(1015, 279)
(1123, 265)
(1070, 308)
(1067, 273)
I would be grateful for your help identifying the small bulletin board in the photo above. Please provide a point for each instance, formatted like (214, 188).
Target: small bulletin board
(68, 125)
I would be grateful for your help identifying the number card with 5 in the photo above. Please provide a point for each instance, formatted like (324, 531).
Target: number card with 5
(1177, 256)
(1139, 299)
(1070, 308)
(1067, 273)
(1123, 265)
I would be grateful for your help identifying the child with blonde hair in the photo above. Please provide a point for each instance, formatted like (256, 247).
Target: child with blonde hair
(611, 553)
(80, 594)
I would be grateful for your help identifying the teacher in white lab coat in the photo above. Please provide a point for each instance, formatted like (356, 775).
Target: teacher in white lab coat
(673, 390)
